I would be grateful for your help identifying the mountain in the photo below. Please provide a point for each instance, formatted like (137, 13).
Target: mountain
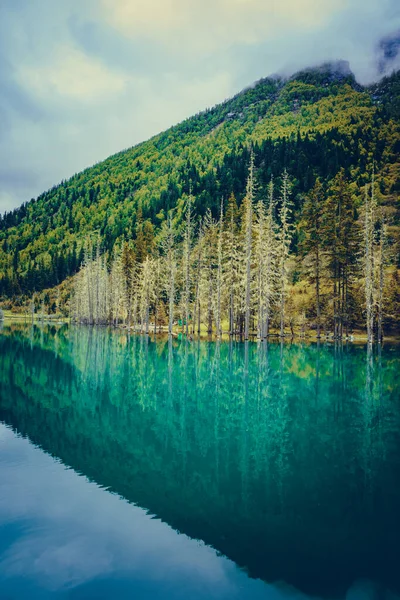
(313, 124)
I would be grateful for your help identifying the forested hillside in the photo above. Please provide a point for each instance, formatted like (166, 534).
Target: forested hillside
(320, 127)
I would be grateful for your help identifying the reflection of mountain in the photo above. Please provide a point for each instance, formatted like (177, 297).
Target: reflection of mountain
(285, 462)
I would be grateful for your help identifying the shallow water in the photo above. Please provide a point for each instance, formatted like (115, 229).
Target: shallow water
(131, 467)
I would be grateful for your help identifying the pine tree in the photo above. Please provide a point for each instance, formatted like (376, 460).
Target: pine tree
(312, 242)
(341, 244)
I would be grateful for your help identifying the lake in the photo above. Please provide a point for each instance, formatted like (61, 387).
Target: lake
(132, 467)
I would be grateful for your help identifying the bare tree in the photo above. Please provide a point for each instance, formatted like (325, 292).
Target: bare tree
(249, 199)
(259, 251)
(219, 270)
(381, 259)
(168, 245)
(208, 275)
(231, 262)
(146, 292)
(270, 259)
(284, 240)
(369, 237)
(199, 254)
(186, 262)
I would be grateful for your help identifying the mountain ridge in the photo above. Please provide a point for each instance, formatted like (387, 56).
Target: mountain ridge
(313, 123)
(338, 69)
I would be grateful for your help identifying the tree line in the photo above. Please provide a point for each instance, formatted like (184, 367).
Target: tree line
(312, 126)
(236, 274)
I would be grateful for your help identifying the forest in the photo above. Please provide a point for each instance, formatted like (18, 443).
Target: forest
(275, 212)
(232, 274)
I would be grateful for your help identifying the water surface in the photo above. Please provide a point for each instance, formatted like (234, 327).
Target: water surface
(139, 468)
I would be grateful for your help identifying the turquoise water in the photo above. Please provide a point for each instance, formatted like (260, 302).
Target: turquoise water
(135, 468)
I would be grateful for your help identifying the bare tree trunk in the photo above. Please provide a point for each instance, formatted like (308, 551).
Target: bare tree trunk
(232, 275)
(219, 273)
(171, 299)
(369, 260)
(270, 257)
(188, 234)
(33, 308)
(199, 318)
(147, 321)
(209, 305)
(284, 246)
(248, 246)
(382, 244)
(197, 307)
(282, 309)
(380, 305)
(335, 305)
(317, 293)
(156, 293)
(231, 315)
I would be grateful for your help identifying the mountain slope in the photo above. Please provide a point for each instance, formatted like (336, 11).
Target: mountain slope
(313, 124)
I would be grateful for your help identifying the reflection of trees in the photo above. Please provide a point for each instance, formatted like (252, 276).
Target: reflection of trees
(251, 447)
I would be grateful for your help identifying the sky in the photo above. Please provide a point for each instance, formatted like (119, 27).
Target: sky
(83, 79)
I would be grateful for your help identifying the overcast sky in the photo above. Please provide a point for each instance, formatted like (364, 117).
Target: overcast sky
(83, 79)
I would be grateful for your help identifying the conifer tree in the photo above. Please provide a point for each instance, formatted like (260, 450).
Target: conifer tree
(341, 244)
(312, 242)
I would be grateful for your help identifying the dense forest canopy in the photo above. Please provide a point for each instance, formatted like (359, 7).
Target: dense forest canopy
(320, 127)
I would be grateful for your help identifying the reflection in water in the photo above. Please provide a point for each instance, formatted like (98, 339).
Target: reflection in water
(62, 537)
(285, 458)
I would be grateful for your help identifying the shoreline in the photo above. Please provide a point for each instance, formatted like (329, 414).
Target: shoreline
(358, 337)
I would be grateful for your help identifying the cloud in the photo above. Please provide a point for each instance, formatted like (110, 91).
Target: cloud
(212, 24)
(83, 79)
(71, 74)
